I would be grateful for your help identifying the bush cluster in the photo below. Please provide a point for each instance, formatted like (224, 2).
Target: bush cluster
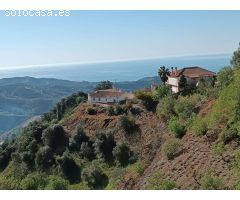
(159, 182)
(91, 111)
(209, 181)
(171, 148)
(147, 99)
(199, 126)
(165, 108)
(128, 125)
(94, 177)
(177, 127)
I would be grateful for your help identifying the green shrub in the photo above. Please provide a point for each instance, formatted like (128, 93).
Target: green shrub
(56, 183)
(118, 110)
(9, 183)
(204, 85)
(91, 111)
(199, 126)
(171, 148)
(122, 154)
(77, 138)
(5, 157)
(185, 106)
(56, 138)
(94, 177)
(28, 158)
(237, 186)
(33, 182)
(176, 127)
(104, 85)
(44, 158)
(229, 134)
(219, 148)
(104, 145)
(110, 111)
(29, 183)
(159, 182)
(147, 99)
(140, 168)
(227, 106)
(161, 92)
(210, 181)
(128, 125)
(225, 76)
(165, 108)
(68, 168)
(36, 129)
(236, 163)
(87, 151)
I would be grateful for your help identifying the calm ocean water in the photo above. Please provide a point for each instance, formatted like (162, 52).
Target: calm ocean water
(118, 71)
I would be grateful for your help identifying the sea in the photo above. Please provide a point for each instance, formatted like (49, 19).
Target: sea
(117, 71)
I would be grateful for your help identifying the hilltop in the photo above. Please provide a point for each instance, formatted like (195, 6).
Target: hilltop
(22, 98)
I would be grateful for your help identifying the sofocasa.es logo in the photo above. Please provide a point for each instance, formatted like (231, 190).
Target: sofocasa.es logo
(37, 13)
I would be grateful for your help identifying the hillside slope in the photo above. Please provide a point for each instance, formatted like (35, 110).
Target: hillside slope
(186, 169)
(189, 141)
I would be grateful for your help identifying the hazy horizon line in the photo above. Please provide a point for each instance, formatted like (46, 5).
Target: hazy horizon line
(110, 61)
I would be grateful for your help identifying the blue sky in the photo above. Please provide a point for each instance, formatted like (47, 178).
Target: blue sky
(116, 35)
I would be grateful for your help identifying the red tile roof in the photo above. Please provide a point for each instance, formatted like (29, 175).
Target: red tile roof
(193, 72)
(106, 93)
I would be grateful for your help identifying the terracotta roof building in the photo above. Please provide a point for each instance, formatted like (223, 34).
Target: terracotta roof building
(108, 96)
(192, 74)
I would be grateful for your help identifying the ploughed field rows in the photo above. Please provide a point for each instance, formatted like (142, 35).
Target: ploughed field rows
(186, 169)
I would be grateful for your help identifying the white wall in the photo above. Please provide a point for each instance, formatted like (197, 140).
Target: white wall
(173, 81)
(106, 99)
(175, 89)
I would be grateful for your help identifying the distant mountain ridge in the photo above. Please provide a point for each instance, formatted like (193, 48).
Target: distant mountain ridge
(24, 97)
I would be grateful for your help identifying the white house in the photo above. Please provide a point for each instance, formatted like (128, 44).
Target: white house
(109, 96)
(192, 74)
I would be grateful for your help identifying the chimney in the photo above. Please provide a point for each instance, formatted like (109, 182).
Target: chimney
(172, 69)
(175, 70)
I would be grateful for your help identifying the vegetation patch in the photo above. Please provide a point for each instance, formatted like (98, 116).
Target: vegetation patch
(199, 126)
(128, 125)
(147, 99)
(159, 182)
(177, 127)
(171, 148)
(209, 181)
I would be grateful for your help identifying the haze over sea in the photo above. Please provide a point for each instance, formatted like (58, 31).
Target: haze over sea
(118, 70)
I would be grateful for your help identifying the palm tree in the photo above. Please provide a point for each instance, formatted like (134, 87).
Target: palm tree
(183, 82)
(163, 73)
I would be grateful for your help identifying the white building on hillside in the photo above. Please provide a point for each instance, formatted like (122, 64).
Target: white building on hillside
(109, 96)
(192, 74)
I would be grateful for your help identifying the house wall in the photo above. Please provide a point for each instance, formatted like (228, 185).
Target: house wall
(175, 89)
(115, 99)
(192, 81)
(172, 81)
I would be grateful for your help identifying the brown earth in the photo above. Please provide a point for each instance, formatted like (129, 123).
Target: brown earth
(186, 169)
